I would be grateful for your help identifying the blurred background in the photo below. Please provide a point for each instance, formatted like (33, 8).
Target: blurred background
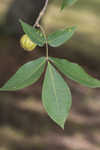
(24, 124)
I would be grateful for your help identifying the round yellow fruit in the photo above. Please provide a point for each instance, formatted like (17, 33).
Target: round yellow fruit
(26, 43)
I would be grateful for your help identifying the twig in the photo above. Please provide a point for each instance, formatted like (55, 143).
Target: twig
(38, 25)
(41, 13)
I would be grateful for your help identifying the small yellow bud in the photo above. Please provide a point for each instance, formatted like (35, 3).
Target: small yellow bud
(26, 43)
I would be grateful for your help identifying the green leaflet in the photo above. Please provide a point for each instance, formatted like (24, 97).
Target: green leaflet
(28, 74)
(56, 96)
(75, 72)
(34, 34)
(61, 36)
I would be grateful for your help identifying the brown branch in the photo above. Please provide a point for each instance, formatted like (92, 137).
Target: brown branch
(41, 13)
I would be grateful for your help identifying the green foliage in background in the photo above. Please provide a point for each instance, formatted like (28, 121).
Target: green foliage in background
(56, 95)
(67, 3)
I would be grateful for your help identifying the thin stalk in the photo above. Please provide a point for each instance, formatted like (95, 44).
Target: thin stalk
(38, 25)
(43, 31)
(41, 13)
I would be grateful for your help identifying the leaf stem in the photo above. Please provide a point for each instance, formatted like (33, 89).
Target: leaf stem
(43, 31)
(38, 25)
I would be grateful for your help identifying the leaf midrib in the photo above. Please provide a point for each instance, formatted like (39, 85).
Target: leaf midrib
(53, 85)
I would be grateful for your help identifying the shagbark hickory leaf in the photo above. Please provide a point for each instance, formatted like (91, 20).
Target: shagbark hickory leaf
(34, 34)
(75, 72)
(67, 3)
(28, 74)
(61, 36)
(56, 96)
